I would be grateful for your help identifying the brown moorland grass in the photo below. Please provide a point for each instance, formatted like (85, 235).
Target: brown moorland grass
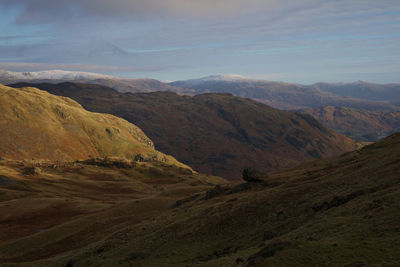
(31, 204)
(340, 211)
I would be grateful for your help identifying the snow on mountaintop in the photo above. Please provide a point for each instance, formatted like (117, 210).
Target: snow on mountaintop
(53, 74)
(222, 77)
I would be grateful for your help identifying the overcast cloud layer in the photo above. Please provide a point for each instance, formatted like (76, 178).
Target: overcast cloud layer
(44, 11)
(297, 41)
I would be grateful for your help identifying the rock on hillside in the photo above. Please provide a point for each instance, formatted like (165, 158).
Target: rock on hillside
(34, 123)
(216, 134)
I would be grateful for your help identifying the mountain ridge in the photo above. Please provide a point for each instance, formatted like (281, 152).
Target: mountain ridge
(284, 95)
(118, 83)
(280, 95)
(52, 74)
(365, 90)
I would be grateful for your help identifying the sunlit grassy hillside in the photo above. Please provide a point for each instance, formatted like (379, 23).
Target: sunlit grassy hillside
(36, 124)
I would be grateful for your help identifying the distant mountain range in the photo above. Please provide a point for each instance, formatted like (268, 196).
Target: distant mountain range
(58, 76)
(215, 78)
(216, 134)
(138, 85)
(293, 96)
(364, 90)
(51, 75)
(360, 95)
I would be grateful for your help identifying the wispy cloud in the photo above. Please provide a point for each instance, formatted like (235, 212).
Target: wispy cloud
(43, 11)
(29, 66)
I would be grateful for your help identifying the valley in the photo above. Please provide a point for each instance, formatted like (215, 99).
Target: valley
(187, 133)
(121, 202)
(216, 134)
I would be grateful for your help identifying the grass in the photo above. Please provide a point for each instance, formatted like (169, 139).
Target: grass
(37, 124)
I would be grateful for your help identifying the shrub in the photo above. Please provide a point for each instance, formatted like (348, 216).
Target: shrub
(254, 176)
(30, 170)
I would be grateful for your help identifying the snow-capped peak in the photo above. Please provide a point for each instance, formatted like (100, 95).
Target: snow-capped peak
(217, 78)
(224, 77)
(53, 75)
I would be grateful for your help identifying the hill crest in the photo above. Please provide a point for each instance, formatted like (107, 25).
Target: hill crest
(37, 124)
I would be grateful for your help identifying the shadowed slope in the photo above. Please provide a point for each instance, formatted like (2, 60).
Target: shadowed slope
(361, 125)
(34, 123)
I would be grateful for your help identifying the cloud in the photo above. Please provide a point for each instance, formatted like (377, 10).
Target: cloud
(49, 11)
(29, 66)
(202, 36)
(11, 37)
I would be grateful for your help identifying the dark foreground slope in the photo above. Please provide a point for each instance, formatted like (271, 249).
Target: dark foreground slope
(342, 211)
(217, 134)
(361, 125)
(39, 195)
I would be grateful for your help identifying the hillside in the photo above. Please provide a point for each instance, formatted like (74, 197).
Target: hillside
(361, 125)
(59, 193)
(280, 95)
(216, 134)
(36, 124)
(342, 211)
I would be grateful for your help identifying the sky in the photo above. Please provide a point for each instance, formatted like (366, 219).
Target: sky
(302, 41)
